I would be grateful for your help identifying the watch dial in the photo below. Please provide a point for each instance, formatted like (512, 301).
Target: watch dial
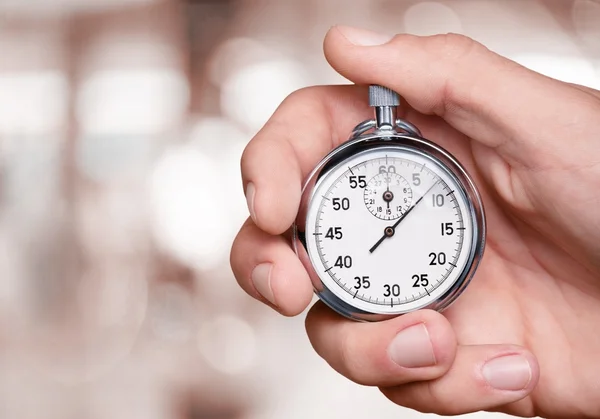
(389, 230)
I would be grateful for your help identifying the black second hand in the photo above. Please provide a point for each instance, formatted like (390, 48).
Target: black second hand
(372, 249)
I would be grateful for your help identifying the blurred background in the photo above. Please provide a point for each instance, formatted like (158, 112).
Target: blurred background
(122, 123)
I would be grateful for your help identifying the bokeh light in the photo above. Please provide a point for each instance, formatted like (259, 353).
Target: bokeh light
(234, 54)
(430, 18)
(110, 223)
(172, 313)
(228, 344)
(111, 307)
(125, 102)
(586, 17)
(54, 7)
(185, 194)
(33, 103)
(574, 70)
(252, 93)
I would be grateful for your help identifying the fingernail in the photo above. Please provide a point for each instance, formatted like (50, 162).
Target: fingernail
(511, 372)
(412, 348)
(261, 278)
(363, 37)
(250, 192)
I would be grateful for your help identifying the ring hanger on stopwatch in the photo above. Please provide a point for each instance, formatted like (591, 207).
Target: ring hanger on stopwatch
(389, 222)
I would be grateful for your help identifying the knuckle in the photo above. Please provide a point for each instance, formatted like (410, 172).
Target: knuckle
(237, 247)
(445, 401)
(303, 103)
(310, 323)
(347, 358)
(425, 397)
(337, 347)
(452, 52)
(314, 326)
(298, 95)
(245, 229)
(245, 160)
(453, 46)
(302, 95)
(250, 153)
(353, 364)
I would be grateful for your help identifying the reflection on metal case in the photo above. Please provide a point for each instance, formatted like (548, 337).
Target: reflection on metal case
(389, 222)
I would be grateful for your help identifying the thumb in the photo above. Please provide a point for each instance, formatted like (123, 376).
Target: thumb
(489, 98)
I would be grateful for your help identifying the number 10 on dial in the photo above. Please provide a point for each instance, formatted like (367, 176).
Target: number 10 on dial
(389, 223)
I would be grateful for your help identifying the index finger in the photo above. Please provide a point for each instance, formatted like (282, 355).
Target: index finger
(308, 124)
(497, 102)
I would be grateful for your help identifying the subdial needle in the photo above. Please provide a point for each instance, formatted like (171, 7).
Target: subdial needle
(388, 195)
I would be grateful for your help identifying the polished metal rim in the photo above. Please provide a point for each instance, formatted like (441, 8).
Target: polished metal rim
(410, 142)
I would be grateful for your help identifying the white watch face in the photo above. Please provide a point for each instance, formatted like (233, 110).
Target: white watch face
(389, 230)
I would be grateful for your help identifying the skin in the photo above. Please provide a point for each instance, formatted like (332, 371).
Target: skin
(532, 145)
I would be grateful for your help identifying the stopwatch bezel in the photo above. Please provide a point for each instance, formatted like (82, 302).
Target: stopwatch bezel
(446, 162)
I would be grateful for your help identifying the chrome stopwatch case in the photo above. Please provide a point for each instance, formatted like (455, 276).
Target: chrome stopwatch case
(389, 222)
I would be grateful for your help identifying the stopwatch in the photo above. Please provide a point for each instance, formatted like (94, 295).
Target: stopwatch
(389, 222)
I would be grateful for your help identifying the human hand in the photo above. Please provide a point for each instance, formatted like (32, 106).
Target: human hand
(521, 338)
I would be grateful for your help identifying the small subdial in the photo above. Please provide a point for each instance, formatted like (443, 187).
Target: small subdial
(387, 196)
